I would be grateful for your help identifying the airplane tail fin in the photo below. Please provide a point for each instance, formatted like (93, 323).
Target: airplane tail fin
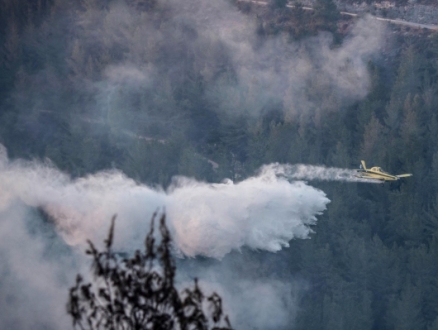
(364, 166)
(403, 175)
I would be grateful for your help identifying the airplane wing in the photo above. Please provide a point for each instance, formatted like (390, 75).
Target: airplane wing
(403, 175)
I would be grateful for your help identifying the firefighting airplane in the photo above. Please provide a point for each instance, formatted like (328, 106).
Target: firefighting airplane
(376, 173)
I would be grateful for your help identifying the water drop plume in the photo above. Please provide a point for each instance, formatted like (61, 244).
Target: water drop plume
(263, 212)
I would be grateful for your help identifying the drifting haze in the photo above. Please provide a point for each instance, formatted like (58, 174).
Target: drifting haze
(269, 302)
(211, 43)
(141, 73)
(261, 212)
(153, 73)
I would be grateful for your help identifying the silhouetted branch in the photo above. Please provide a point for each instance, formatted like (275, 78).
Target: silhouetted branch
(139, 292)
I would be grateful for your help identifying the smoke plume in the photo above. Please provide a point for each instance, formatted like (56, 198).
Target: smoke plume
(314, 173)
(262, 212)
(129, 68)
(266, 300)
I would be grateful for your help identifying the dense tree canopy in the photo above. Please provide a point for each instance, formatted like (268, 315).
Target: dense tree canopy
(372, 262)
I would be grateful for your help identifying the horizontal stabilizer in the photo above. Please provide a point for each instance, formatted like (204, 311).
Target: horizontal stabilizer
(403, 175)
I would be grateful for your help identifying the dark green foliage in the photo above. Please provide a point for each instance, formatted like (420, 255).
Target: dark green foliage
(372, 262)
(279, 3)
(139, 292)
(297, 21)
(327, 10)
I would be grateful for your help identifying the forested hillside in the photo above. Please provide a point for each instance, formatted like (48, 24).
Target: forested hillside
(90, 88)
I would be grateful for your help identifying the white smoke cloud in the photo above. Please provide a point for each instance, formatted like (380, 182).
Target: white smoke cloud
(251, 300)
(315, 173)
(242, 73)
(255, 304)
(262, 212)
(33, 286)
(308, 77)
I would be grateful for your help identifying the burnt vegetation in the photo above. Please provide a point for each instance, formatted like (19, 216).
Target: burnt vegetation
(139, 292)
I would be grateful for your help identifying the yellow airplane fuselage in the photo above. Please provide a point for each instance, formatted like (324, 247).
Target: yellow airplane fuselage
(376, 173)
